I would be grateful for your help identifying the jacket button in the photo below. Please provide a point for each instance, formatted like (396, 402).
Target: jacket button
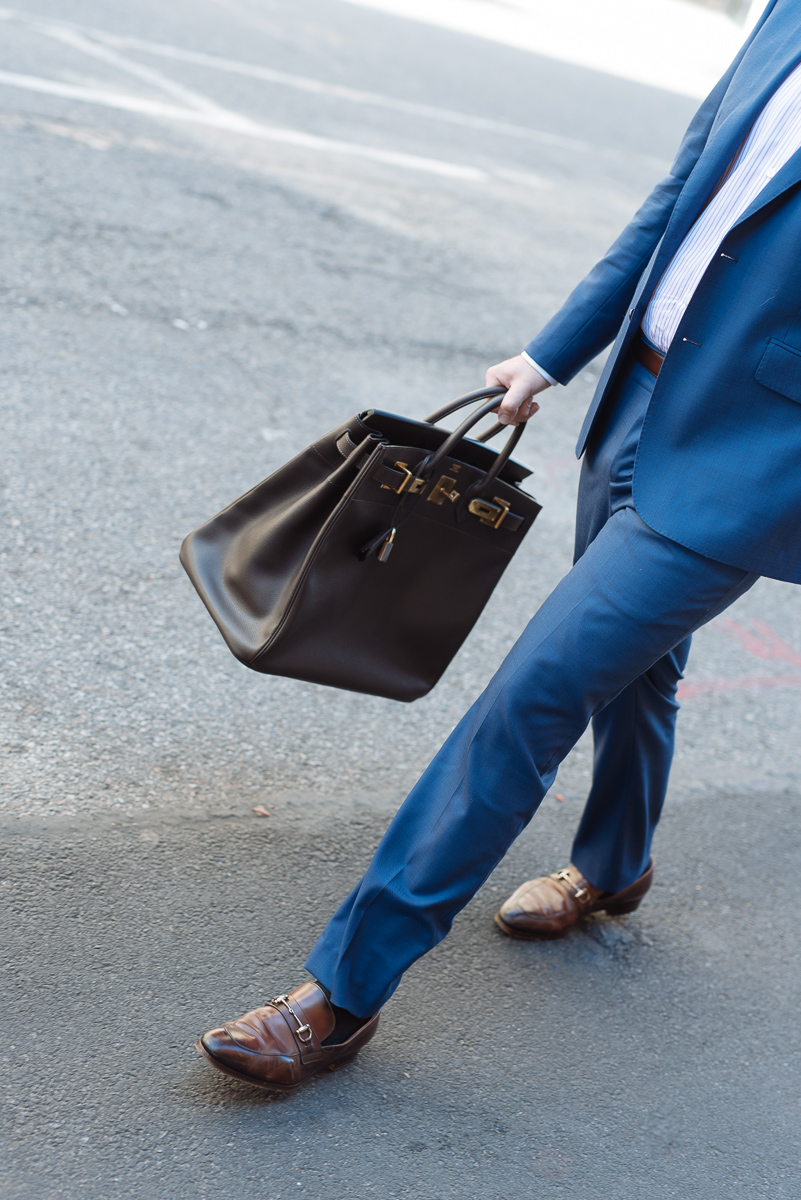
(631, 313)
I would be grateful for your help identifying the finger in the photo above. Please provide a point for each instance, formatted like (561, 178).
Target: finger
(517, 395)
(527, 409)
(495, 378)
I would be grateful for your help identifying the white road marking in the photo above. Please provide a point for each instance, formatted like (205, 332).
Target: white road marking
(317, 87)
(69, 38)
(223, 119)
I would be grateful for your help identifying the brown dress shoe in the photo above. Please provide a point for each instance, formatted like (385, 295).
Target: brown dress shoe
(547, 907)
(280, 1046)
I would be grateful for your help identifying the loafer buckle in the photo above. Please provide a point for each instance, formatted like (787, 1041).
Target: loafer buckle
(303, 1032)
(580, 892)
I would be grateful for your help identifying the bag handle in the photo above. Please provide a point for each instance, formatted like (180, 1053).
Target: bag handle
(451, 442)
(493, 429)
(382, 545)
(462, 402)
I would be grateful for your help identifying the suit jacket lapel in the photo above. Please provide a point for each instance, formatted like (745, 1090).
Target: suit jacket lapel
(789, 175)
(758, 70)
(765, 66)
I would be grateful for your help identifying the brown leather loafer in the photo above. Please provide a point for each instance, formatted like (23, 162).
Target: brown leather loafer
(279, 1046)
(547, 907)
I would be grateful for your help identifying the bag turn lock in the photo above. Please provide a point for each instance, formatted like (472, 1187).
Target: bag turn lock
(443, 490)
(490, 512)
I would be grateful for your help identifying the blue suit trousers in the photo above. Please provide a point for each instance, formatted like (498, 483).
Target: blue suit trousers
(609, 646)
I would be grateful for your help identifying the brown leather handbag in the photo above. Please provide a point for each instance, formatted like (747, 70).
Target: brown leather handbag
(365, 561)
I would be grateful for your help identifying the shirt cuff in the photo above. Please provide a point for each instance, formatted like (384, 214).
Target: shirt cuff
(553, 382)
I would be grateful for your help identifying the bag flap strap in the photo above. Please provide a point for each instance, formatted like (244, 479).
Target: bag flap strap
(346, 444)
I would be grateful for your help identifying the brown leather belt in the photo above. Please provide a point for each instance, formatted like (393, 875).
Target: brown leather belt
(651, 359)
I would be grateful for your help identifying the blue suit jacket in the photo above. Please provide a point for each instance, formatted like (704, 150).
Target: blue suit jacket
(718, 467)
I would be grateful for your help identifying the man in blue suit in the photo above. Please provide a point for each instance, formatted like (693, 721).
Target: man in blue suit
(690, 491)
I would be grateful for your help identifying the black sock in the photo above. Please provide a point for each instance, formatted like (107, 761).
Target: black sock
(346, 1023)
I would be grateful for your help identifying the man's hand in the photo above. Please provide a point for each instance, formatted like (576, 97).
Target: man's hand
(522, 383)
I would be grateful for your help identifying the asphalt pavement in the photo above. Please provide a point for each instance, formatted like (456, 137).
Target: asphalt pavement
(226, 227)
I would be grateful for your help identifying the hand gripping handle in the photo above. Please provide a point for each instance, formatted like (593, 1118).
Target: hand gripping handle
(429, 466)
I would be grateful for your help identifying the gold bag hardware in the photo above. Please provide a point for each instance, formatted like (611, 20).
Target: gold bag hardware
(409, 481)
(443, 491)
(490, 513)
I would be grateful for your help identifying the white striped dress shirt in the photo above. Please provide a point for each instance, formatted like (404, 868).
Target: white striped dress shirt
(774, 138)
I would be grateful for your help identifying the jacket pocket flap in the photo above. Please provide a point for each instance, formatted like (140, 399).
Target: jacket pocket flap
(780, 370)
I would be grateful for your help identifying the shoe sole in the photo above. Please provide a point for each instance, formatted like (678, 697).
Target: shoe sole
(616, 906)
(520, 936)
(261, 1083)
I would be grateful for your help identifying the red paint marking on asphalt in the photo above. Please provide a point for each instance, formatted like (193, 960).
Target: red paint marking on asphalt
(716, 687)
(760, 640)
